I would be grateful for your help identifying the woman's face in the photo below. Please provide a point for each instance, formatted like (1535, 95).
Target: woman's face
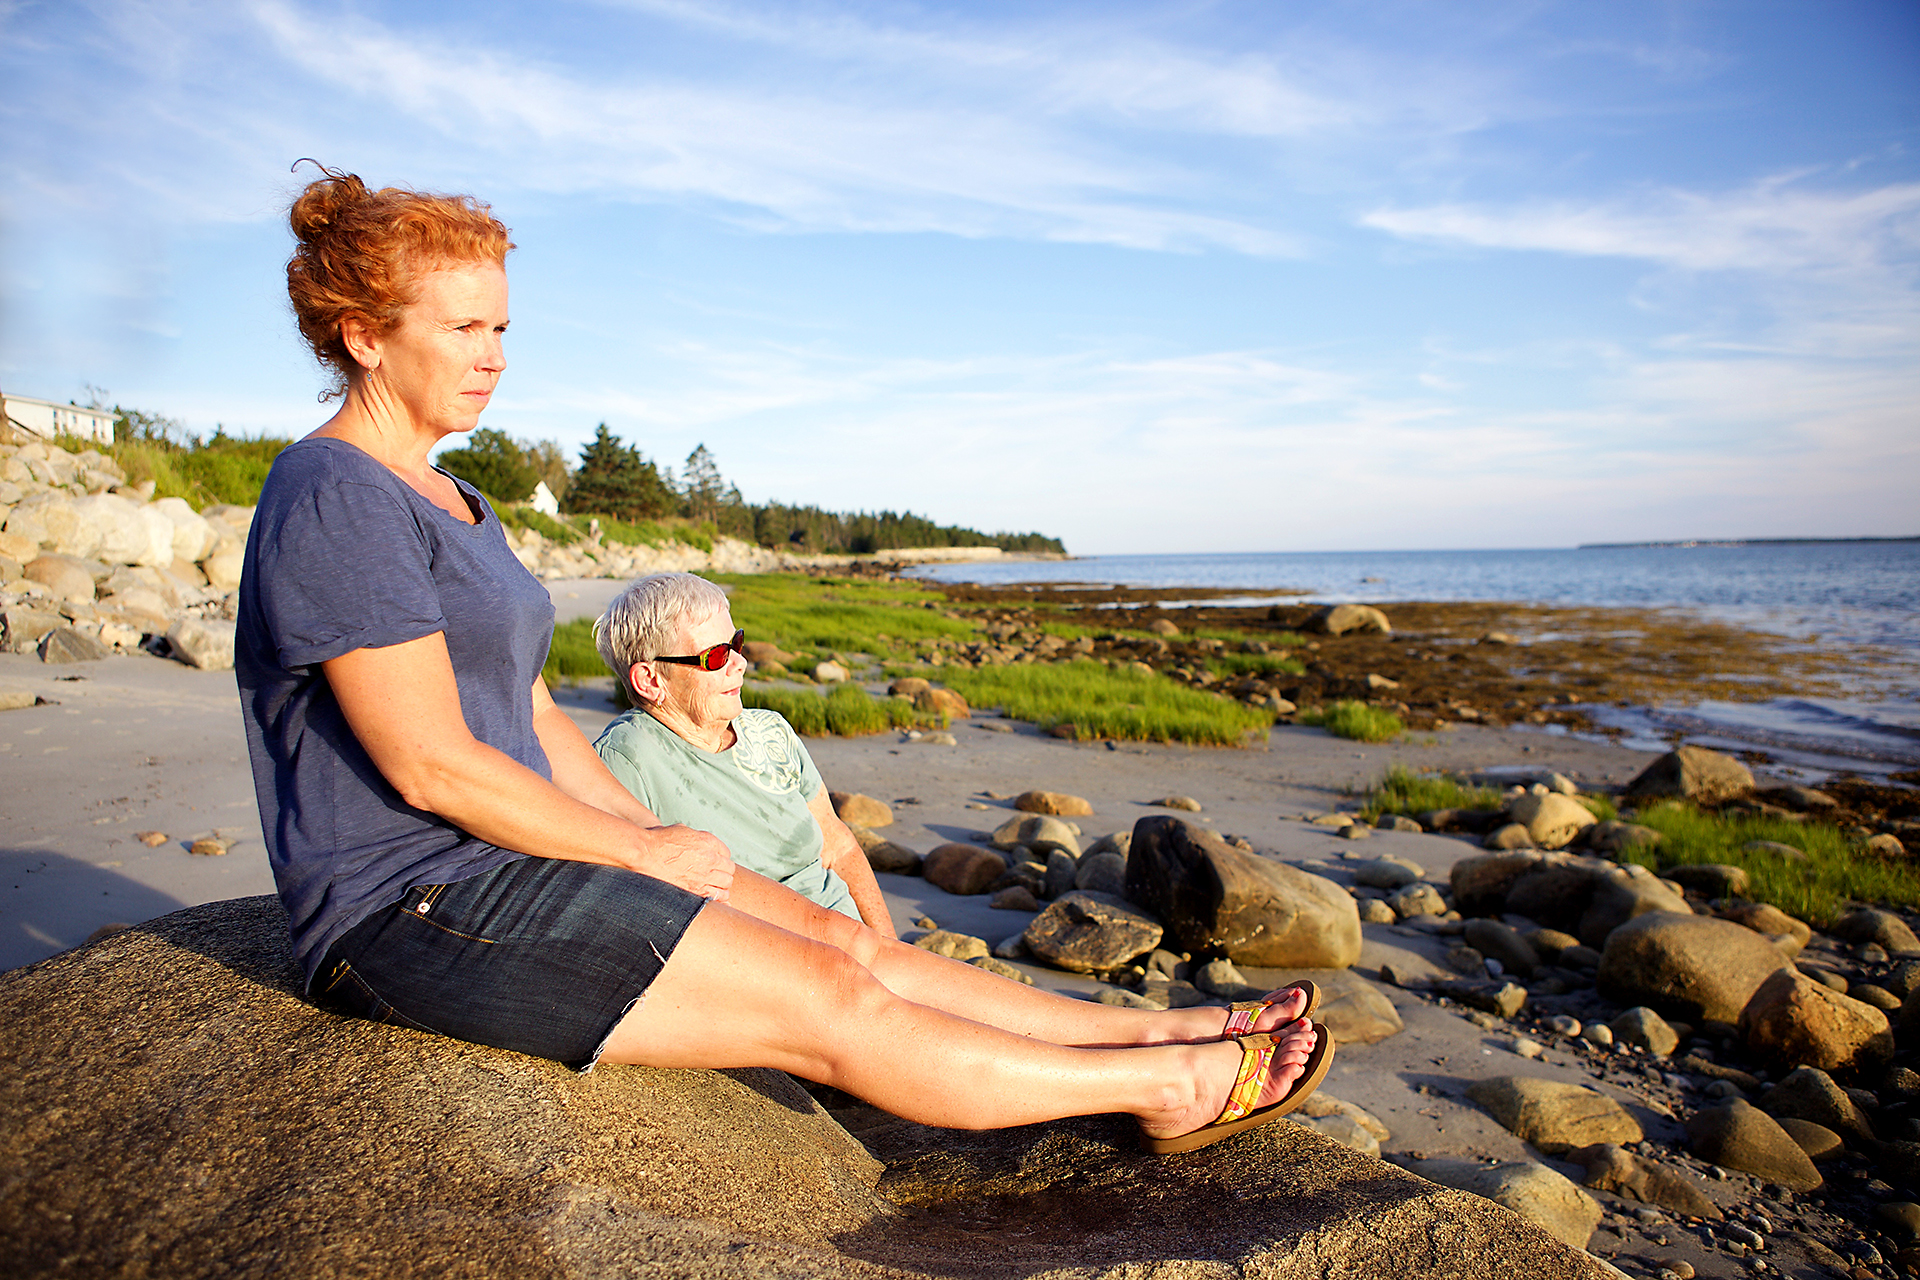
(440, 365)
(705, 699)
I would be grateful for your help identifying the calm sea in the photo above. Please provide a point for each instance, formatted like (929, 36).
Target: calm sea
(1851, 594)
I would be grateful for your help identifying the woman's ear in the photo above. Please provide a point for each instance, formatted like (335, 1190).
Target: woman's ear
(359, 340)
(644, 683)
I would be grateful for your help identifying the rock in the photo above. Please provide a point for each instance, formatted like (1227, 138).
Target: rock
(1794, 1019)
(1558, 891)
(858, 810)
(1218, 899)
(209, 847)
(1480, 883)
(206, 643)
(942, 702)
(1623, 893)
(1613, 1168)
(1765, 918)
(193, 534)
(1615, 838)
(1354, 831)
(1692, 773)
(1871, 925)
(1091, 933)
(16, 699)
(1015, 897)
(65, 577)
(1503, 999)
(1736, 1135)
(1172, 993)
(1535, 1192)
(1805, 799)
(955, 946)
(1597, 1033)
(1901, 1217)
(1694, 968)
(1163, 627)
(1353, 1009)
(963, 869)
(1504, 943)
(1551, 943)
(1186, 804)
(1645, 1029)
(1552, 820)
(1388, 872)
(1121, 998)
(1339, 619)
(1885, 845)
(1378, 683)
(1114, 842)
(994, 965)
(1417, 900)
(904, 687)
(1102, 873)
(830, 673)
(1498, 637)
(884, 855)
(1774, 849)
(1711, 879)
(1526, 1048)
(1514, 835)
(1818, 1141)
(64, 644)
(1466, 960)
(1553, 1116)
(1342, 1128)
(1037, 832)
(26, 627)
(1879, 997)
(1057, 803)
(1224, 979)
(1809, 1093)
(1376, 911)
(223, 568)
(1060, 874)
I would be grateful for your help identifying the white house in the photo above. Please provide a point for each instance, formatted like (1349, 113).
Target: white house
(45, 419)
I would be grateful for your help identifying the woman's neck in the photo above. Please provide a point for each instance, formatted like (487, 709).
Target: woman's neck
(712, 739)
(392, 439)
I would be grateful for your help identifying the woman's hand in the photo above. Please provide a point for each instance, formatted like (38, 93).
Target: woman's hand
(694, 860)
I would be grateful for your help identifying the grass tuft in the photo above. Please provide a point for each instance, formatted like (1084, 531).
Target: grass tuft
(1401, 790)
(848, 710)
(1356, 720)
(1103, 702)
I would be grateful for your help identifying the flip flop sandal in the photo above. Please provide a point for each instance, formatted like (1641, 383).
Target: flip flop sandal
(1256, 1064)
(1244, 1013)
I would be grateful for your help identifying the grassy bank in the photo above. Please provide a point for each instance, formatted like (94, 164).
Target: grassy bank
(1356, 720)
(1104, 702)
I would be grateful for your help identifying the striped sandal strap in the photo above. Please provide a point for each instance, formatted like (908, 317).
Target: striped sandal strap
(1256, 1063)
(1241, 1015)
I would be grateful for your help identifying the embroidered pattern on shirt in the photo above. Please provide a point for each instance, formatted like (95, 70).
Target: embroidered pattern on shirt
(767, 753)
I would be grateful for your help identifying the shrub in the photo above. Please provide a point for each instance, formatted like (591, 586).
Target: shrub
(1356, 720)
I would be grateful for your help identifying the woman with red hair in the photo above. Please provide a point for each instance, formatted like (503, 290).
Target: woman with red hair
(453, 855)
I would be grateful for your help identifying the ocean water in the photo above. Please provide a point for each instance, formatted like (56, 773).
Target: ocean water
(1857, 595)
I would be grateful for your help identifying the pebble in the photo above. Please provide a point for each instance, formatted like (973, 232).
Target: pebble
(208, 847)
(1527, 1048)
(1562, 1024)
(1598, 1033)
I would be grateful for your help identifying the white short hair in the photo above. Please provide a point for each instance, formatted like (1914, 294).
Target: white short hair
(644, 621)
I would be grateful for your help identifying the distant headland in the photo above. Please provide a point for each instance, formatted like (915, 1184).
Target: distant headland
(1736, 542)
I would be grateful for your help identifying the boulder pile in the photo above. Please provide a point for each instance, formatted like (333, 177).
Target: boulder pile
(90, 565)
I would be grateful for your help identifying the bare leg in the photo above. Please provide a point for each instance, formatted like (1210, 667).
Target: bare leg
(971, 992)
(739, 991)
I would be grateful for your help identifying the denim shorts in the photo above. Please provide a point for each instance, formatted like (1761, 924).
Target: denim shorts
(542, 956)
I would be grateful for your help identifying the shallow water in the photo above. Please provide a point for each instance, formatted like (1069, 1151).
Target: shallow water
(1848, 594)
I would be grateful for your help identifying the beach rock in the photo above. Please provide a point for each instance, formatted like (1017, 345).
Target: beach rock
(1611, 1167)
(223, 568)
(1879, 997)
(1216, 898)
(1113, 842)
(1352, 1008)
(1058, 876)
(1388, 872)
(1765, 918)
(1322, 1106)
(194, 536)
(955, 946)
(64, 644)
(1502, 999)
(1547, 1199)
(1552, 820)
(1015, 897)
(66, 578)
(1504, 943)
(1037, 832)
(1376, 911)
(1185, 804)
(25, 627)
(1711, 879)
(1417, 900)
(1774, 849)
(1480, 883)
(942, 702)
(1614, 838)
(1557, 891)
(1694, 968)
(993, 964)
(1737, 1135)
(1514, 835)
(1810, 1094)
(1870, 924)
(858, 810)
(206, 643)
(1057, 803)
(884, 855)
(963, 869)
(830, 672)
(1645, 1029)
(1467, 960)
(1692, 773)
(1340, 619)
(904, 687)
(1622, 893)
(1102, 873)
(1091, 933)
(1554, 1116)
(1818, 1141)
(1885, 844)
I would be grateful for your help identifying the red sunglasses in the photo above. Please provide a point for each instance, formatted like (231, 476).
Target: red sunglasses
(714, 656)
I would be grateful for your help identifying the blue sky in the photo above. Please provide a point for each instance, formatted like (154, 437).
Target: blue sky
(1176, 277)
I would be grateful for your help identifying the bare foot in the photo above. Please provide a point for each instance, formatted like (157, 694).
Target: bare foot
(1221, 1068)
(1287, 1004)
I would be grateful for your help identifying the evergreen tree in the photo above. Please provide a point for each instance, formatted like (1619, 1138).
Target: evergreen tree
(701, 486)
(495, 464)
(616, 480)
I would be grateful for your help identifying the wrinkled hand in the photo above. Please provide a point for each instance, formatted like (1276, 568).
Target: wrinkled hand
(696, 861)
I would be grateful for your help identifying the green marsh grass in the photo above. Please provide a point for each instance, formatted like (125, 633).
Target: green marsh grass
(1356, 720)
(822, 616)
(1816, 890)
(1401, 790)
(1105, 702)
(847, 710)
(572, 656)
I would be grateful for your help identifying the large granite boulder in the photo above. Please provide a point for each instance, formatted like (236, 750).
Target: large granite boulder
(1481, 882)
(1737, 1135)
(1215, 898)
(1530, 1189)
(1692, 773)
(1553, 1115)
(1794, 1019)
(1694, 968)
(1621, 893)
(1553, 820)
(1811, 1095)
(171, 1108)
(1088, 932)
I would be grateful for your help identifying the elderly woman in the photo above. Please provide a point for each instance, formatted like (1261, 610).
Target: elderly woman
(691, 753)
(454, 857)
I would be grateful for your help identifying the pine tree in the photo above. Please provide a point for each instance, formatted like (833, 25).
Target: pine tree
(616, 480)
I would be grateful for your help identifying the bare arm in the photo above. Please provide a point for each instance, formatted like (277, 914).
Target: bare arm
(403, 704)
(841, 853)
(578, 769)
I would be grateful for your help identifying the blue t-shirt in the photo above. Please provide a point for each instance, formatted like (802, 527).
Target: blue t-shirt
(345, 555)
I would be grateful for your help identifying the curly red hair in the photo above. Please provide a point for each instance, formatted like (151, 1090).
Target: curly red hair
(358, 253)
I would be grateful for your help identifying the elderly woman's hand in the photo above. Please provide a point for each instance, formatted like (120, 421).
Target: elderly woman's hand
(694, 860)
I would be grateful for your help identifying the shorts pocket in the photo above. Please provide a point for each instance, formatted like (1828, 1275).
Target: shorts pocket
(345, 991)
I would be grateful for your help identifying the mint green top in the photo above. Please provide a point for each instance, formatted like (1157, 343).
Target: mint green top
(753, 795)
